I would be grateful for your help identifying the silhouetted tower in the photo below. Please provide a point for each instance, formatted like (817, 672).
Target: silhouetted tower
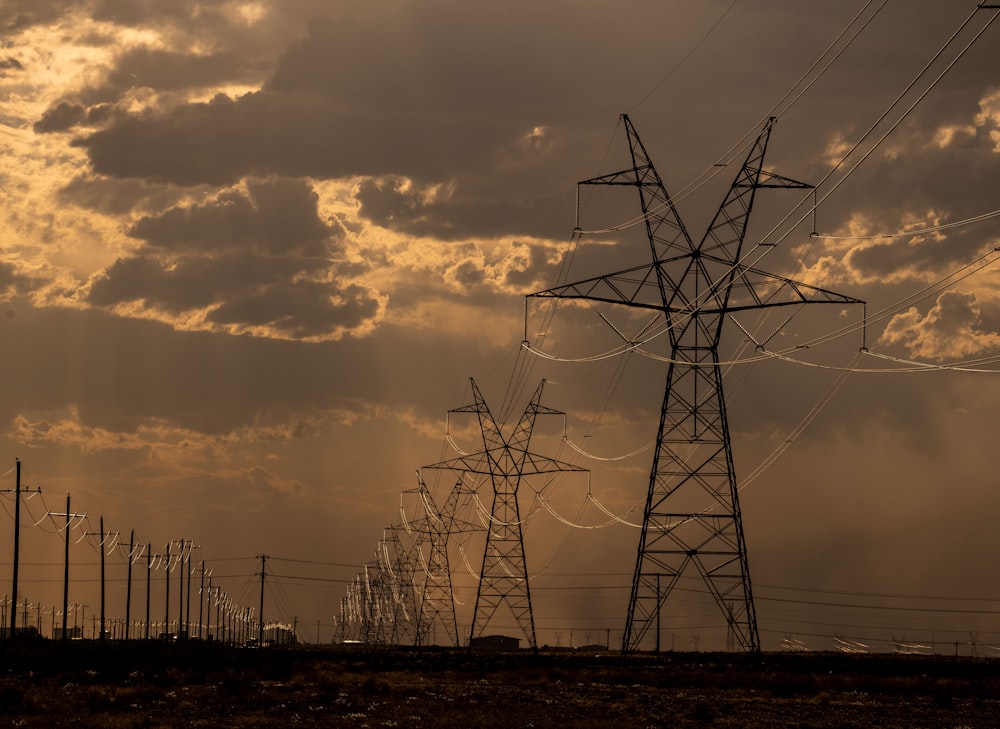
(504, 575)
(396, 563)
(436, 603)
(691, 519)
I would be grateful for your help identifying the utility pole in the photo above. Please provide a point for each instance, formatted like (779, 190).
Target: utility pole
(128, 588)
(187, 608)
(180, 591)
(201, 602)
(208, 611)
(100, 546)
(260, 625)
(65, 613)
(149, 568)
(17, 543)
(166, 614)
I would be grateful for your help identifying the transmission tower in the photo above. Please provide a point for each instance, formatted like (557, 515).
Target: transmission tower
(437, 599)
(691, 519)
(504, 575)
(396, 563)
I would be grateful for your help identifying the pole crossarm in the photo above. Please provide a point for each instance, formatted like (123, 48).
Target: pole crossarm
(692, 519)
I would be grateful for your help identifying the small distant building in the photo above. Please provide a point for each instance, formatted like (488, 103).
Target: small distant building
(73, 632)
(495, 643)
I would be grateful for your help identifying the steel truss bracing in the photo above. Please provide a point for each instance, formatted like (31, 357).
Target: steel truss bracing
(504, 575)
(396, 563)
(691, 520)
(436, 605)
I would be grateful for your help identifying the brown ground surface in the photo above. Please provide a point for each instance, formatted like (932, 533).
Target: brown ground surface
(203, 685)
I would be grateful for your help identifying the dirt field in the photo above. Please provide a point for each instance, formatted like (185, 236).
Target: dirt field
(203, 685)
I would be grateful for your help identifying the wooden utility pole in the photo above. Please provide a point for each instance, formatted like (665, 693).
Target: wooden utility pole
(128, 585)
(103, 624)
(17, 544)
(166, 613)
(100, 546)
(180, 591)
(187, 607)
(260, 625)
(201, 601)
(69, 515)
(149, 568)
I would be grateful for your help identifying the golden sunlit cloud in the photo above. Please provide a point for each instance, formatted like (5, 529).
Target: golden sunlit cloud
(949, 330)
(988, 117)
(166, 443)
(946, 136)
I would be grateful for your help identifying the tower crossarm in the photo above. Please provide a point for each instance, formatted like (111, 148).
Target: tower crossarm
(528, 464)
(773, 179)
(750, 288)
(638, 287)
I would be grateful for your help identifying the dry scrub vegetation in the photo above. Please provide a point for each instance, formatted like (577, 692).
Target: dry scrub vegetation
(140, 684)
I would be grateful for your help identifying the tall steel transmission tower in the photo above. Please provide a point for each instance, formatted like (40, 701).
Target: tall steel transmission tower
(691, 520)
(504, 575)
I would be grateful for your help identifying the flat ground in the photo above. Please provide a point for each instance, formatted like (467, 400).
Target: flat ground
(83, 684)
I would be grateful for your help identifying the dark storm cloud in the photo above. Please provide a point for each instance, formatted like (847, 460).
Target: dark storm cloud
(487, 107)
(923, 174)
(19, 15)
(141, 12)
(305, 310)
(64, 115)
(115, 197)
(159, 69)
(164, 70)
(278, 217)
(299, 134)
(12, 281)
(263, 260)
(389, 203)
(918, 255)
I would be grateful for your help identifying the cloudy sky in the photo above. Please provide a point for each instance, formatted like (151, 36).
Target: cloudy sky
(252, 252)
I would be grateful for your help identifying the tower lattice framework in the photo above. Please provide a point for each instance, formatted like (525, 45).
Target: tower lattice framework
(396, 564)
(691, 520)
(506, 461)
(436, 604)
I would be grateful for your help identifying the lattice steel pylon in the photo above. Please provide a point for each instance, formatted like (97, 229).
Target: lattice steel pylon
(504, 575)
(692, 514)
(396, 562)
(437, 598)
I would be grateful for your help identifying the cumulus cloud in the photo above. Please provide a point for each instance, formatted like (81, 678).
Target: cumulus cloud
(950, 329)
(259, 261)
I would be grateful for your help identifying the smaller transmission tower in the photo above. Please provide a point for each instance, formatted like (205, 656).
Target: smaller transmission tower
(396, 564)
(437, 598)
(504, 575)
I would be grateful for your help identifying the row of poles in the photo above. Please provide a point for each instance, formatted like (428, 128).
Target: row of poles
(232, 624)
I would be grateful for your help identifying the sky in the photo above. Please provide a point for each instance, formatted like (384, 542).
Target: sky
(251, 254)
